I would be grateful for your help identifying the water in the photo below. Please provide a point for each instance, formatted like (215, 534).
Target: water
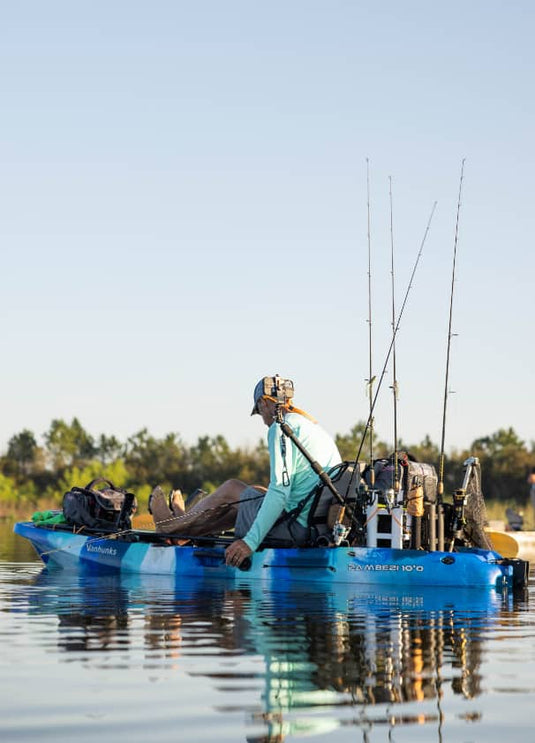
(143, 659)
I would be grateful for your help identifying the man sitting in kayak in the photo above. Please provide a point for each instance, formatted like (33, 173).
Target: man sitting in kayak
(254, 511)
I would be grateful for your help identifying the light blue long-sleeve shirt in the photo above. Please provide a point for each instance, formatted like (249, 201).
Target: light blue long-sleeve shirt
(283, 495)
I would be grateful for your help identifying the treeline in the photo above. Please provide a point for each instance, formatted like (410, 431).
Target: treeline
(36, 474)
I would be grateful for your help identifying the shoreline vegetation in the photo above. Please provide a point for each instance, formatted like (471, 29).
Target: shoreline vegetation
(35, 475)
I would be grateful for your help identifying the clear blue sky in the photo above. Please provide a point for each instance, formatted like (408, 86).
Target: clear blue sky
(183, 210)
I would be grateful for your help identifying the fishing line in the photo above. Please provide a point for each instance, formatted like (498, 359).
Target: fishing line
(395, 478)
(371, 378)
(409, 287)
(440, 487)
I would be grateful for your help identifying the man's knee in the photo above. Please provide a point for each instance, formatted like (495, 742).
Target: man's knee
(234, 487)
(235, 483)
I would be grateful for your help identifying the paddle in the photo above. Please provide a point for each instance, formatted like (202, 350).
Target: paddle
(503, 543)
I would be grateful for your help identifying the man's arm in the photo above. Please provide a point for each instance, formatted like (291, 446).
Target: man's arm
(281, 469)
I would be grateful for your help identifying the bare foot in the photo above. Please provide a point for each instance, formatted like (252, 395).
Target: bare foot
(176, 501)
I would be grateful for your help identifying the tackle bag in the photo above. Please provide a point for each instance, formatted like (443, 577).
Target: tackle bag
(410, 475)
(106, 509)
(424, 476)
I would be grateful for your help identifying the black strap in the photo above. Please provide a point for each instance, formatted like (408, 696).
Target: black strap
(92, 484)
(127, 508)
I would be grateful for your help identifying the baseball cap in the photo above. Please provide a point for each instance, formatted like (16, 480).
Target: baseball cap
(257, 394)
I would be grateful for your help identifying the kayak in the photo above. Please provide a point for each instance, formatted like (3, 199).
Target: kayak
(146, 553)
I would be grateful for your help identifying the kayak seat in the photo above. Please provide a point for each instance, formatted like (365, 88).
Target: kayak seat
(320, 518)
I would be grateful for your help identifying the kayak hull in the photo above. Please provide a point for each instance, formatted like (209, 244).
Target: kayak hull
(320, 565)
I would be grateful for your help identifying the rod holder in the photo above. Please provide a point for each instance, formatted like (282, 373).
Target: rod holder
(432, 516)
(440, 527)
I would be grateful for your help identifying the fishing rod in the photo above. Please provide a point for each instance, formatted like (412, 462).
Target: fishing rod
(440, 487)
(395, 474)
(383, 372)
(371, 378)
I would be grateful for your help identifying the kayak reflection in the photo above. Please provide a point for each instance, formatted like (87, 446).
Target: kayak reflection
(319, 650)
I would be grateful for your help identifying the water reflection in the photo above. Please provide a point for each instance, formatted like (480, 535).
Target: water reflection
(315, 660)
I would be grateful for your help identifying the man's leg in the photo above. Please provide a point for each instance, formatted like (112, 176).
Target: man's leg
(217, 512)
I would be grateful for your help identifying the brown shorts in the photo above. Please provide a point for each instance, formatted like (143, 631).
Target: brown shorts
(250, 502)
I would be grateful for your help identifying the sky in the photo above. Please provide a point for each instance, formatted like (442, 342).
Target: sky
(185, 193)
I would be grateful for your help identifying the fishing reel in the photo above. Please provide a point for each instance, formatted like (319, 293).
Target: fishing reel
(339, 534)
(459, 503)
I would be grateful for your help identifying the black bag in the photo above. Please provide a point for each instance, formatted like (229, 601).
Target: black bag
(109, 509)
(410, 473)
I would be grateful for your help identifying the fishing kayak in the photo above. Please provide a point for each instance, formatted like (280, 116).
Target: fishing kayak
(146, 553)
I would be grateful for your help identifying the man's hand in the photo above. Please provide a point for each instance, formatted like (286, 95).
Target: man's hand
(237, 552)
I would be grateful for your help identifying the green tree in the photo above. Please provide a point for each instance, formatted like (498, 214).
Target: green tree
(8, 490)
(349, 444)
(21, 452)
(426, 451)
(68, 444)
(108, 448)
(211, 462)
(252, 465)
(145, 461)
(115, 472)
(505, 461)
(156, 461)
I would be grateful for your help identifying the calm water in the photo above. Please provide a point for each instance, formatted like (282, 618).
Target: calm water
(131, 659)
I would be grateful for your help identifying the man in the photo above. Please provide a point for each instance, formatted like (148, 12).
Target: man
(253, 511)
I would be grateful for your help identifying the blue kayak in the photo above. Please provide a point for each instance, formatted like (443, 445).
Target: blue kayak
(142, 553)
